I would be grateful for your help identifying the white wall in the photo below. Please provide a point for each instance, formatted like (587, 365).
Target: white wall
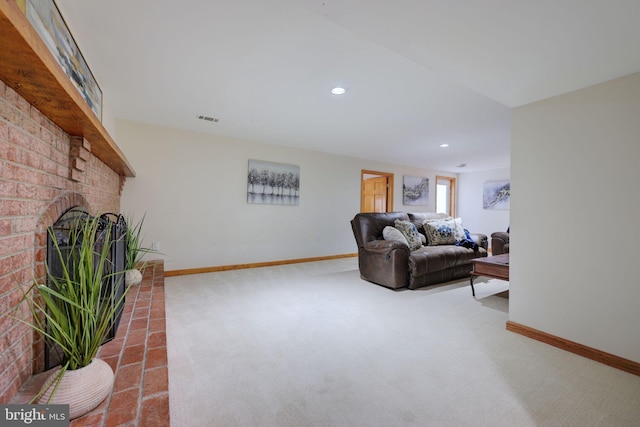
(193, 189)
(108, 119)
(474, 217)
(574, 216)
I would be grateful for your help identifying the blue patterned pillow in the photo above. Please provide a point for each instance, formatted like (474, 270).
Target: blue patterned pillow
(410, 232)
(441, 232)
(460, 234)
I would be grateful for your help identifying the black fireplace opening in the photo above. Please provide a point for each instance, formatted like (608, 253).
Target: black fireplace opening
(110, 226)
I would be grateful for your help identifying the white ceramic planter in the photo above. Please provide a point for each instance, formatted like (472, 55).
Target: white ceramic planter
(132, 277)
(82, 389)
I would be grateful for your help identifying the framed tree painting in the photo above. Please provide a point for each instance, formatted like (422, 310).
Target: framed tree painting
(273, 183)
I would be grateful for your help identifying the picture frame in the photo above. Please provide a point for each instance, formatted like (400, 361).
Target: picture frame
(47, 21)
(496, 195)
(273, 183)
(415, 190)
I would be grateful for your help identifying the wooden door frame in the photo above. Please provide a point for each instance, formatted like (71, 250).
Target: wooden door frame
(452, 193)
(389, 177)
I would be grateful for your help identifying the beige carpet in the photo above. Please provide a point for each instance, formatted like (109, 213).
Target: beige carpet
(314, 345)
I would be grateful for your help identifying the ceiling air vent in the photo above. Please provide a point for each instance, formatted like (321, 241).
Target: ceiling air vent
(208, 118)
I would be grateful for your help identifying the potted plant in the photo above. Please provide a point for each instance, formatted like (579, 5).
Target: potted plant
(74, 313)
(134, 252)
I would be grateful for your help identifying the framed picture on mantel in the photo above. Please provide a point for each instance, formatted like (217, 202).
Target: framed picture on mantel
(46, 19)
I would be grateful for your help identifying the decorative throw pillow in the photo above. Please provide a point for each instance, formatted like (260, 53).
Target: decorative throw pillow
(441, 232)
(423, 238)
(460, 234)
(432, 220)
(392, 233)
(410, 232)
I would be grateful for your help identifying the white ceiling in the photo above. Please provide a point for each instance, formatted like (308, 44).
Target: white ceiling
(418, 73)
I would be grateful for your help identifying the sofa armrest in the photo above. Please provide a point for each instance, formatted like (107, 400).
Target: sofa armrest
(501, 235)
(385, 262)
(385, 246)
(499, 242)
(480, 239)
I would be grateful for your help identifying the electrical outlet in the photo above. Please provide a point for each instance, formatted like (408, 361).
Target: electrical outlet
(155, 246)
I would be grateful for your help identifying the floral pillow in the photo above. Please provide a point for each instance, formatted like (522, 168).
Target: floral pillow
(460, 234)
(441, 232)
(410, 232)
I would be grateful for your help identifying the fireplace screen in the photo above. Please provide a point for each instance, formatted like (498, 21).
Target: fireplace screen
(113, 286)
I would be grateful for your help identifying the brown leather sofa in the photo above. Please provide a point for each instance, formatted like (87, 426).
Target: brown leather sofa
(500, 242)
(391, 264)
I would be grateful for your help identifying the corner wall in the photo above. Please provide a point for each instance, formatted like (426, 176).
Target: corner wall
(193, 189)
(574, 215)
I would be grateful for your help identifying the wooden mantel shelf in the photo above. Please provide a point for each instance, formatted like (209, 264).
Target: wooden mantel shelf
(27, 66)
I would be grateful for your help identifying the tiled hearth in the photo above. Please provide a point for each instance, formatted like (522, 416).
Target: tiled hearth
(138, 356)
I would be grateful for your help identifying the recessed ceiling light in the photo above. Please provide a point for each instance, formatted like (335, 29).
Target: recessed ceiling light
(444, 145)
(338, 90)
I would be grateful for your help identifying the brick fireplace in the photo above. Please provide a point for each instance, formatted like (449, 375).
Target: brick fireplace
(43, 172)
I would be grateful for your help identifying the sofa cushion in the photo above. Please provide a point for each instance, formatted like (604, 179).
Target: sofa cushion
(419, 218)
(410, 232)
(441, 232)
(392, 233)
(429, 259)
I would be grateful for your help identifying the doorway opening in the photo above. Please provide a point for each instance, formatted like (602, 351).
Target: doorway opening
(446, 195)
(377, 191)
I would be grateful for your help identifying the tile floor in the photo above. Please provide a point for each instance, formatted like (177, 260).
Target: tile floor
(138, 356)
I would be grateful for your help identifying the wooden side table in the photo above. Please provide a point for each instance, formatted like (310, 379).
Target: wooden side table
(496, 267)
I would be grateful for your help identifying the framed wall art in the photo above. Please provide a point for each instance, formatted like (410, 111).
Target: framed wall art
(45, 18)
(496, 194)
(415, 190)
(273, 183)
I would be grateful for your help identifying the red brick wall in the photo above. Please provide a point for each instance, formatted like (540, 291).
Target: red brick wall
(43, 172)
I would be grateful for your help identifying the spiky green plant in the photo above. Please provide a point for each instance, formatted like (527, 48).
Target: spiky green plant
(133, 237)
(75, 312)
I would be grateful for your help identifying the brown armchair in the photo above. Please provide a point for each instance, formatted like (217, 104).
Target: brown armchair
(500, 242)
